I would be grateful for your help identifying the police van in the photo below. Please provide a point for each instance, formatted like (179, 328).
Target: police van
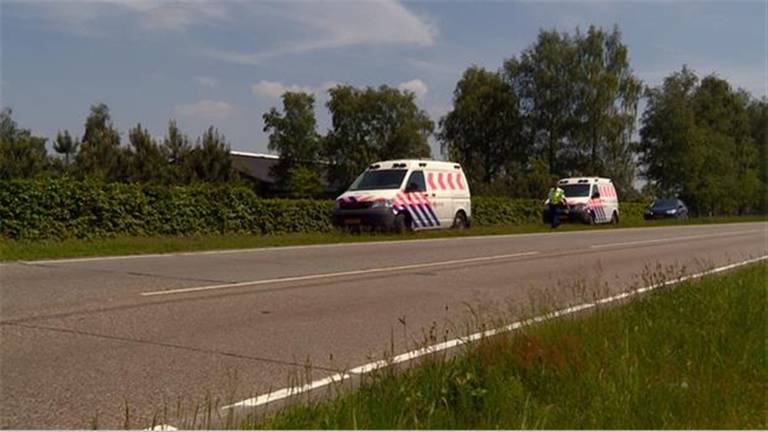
(405, 195)
(590, 200)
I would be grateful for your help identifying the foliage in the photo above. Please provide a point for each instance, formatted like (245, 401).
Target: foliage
(177, 150)
(148, 164)
(210, 159)
(483, 130)
(370, 125)
(293, 135)
(65, 208)
(21, 153)
(65, 145)
(697, 143)
(578, 101)
(101, 156)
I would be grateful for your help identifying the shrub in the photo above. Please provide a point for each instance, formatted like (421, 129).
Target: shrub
(65, 208)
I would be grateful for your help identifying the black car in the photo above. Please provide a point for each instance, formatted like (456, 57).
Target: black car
(666, 208)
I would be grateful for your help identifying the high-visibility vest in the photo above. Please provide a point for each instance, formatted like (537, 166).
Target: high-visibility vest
(556, 195)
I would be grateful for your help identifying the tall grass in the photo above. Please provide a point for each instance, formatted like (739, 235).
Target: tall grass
(691, 356)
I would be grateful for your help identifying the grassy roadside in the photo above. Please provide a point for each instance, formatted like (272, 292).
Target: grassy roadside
(30, 250)
(689, 357)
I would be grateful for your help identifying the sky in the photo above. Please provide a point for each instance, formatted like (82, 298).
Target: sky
(226, 62)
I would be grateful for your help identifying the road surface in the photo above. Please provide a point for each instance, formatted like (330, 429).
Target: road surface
(81, 339)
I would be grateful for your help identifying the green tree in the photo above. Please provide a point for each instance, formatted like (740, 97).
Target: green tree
(578, 98)
(210, 160)
(148, 164)
(177, 150)
(373, 124)
(544, 78)
(22, 155)
(293, 135)
(605, 108)
(65, 145)
(696, 142)
(483, 131)
(758, 119)
(101, 155)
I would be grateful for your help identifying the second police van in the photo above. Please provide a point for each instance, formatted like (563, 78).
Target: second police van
(588, 199)
(406, 195)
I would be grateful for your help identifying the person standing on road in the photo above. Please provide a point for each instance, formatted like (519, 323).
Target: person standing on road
(556, 202)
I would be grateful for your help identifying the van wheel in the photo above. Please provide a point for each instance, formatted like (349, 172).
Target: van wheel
(615, 218)
(590, 218)
(460, 221)
(401, 224)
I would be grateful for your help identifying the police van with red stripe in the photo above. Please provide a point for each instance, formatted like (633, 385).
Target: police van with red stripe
(590, 200)
(406, 195)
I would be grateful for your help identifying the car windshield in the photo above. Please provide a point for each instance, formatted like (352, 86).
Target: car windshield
(576, 190)
(664, 203)
(379, 179)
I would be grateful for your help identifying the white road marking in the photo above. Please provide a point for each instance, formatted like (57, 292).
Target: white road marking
(161, 427)
(338, 274)
(359, 244)
(671, 239)
(411, 355)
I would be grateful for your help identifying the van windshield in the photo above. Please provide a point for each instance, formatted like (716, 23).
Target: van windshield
(576, 190)
(379, 179)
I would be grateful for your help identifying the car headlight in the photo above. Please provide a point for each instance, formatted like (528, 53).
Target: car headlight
(673, 211)
(379, 203)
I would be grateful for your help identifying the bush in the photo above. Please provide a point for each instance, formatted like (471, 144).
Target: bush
(65, 208)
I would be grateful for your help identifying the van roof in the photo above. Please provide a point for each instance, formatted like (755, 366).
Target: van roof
(584, 180)
(415, 163)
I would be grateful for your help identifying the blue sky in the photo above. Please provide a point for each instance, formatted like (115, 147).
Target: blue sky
(225, 62)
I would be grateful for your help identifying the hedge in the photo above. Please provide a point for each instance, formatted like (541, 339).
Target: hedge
(63, 208)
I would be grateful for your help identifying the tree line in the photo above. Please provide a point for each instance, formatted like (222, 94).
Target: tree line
(567, 105)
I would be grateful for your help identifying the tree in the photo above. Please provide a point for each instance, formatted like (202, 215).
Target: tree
(177, 150)
(606, 107)
(22, 155)
(210, 159)
(147, 162)
(758, 119)
(293, 135)
(696, 142)
(373, 124)
(101, 155)
(66, 146)
(578, 98)
(544, 79)
(483, 131)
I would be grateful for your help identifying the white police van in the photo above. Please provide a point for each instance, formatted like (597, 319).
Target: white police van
(590, 200)
(406, 195)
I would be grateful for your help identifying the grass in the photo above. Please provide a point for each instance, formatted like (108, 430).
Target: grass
(692, 356)
(39, 249)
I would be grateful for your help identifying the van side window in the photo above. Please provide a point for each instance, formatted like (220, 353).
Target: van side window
(416, 182)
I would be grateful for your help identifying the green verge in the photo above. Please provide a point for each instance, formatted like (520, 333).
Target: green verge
(688, 357)
(134, 245)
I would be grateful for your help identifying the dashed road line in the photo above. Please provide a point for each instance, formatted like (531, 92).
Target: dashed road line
(338, 274)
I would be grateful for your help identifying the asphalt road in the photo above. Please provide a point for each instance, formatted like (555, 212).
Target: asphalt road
(82, 339)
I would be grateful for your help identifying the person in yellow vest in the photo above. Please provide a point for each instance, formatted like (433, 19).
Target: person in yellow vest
(556, 202)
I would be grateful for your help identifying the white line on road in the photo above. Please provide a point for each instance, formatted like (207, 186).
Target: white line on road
(671, 239)
(339, 274)
(411, 355)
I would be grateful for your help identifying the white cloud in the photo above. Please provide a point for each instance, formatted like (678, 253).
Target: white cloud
(416, 86)
(275, 89)
(341, 24)
(207, 109)
(207, 81)
(87, 18)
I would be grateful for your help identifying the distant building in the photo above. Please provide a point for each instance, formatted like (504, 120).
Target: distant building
(257, 167)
